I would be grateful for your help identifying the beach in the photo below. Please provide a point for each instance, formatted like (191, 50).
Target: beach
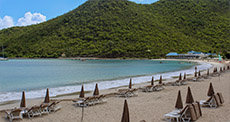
(150, 107)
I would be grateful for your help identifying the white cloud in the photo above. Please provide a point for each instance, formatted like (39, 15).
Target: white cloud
(6, 22)
(30, 19)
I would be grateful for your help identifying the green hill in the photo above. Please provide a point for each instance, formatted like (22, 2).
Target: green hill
(120, 28)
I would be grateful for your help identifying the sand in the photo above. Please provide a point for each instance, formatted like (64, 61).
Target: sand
(150, 107)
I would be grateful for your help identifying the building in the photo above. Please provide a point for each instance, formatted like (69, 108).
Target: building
(189, 55)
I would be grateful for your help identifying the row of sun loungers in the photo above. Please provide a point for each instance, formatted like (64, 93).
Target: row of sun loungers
(189, 113)
(127, 92)
(90, 101)
(18, 113)
(151, 88)
(214, 101)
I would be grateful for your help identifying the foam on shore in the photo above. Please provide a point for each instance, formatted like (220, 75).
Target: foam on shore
(10, 96)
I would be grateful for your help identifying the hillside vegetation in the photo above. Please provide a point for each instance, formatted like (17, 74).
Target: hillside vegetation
(120, 28)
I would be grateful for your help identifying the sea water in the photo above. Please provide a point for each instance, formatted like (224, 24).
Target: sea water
(67, 76)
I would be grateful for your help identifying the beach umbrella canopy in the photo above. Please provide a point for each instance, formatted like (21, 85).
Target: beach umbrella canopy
(130, 83)
(152, 81)
(221, 69)
(199, 73)
(184, 76)
(82, 93)
(210, 90)
(195, 74)
(179, 103)
(180, 77)
(96, 90)
(23, 100)
(47, 97)
(208, 72)
(125, 115)
(189, 97)
(160, 81)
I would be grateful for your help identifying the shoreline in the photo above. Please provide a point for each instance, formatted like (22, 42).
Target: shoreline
(72, 95)
(106, 84)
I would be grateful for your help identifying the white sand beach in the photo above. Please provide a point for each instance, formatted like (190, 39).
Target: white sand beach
(150, 107)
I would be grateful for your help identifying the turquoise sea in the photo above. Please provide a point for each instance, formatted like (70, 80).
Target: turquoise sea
(66, 76)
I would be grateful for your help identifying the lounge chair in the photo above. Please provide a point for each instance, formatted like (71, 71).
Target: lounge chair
(213, 102)
(209, 103)
(179, 82)
(14, 114)
(127, 93)
(158, 87)
(89, 101)
(53, 107)
(34, 111)
(82, 102)
(176, 115)
(44, 109)
(148, 88)
(189, 113)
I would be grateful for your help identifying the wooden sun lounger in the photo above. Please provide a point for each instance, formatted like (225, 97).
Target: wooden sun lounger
(89, 101)
(179, 82)
(14, 114)
(158, 87)
(148, 88)
(44, 109)
(214, 101)
(176, 115)
(127, 93)
(210, 102)
(53, 107)
(34, 111)
(190, 112)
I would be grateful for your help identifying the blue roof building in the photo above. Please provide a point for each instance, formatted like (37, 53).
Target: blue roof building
(172, 54)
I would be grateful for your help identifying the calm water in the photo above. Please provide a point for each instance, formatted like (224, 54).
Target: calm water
(63, 75)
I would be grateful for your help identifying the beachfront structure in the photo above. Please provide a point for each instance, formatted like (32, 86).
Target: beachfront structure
(189, 55)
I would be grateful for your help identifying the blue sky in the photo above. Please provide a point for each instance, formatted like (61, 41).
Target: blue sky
(27, 12)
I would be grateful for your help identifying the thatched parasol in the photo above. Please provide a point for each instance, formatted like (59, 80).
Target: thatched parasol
(160, 81)
(208, 72)
(96, 90)
(82, 93)
(195, 74)
(130, 83)
(47, 97)
(152, 81)
(180, 77)
(184, 76)
(23, 100)
(189, 97)
(199, 73)
(210, 90)
(179, 103)
(125, 115)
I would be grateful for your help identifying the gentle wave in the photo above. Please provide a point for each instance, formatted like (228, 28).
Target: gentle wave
(9, 96)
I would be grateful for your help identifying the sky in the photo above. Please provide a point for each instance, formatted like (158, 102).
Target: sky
(27, 12)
